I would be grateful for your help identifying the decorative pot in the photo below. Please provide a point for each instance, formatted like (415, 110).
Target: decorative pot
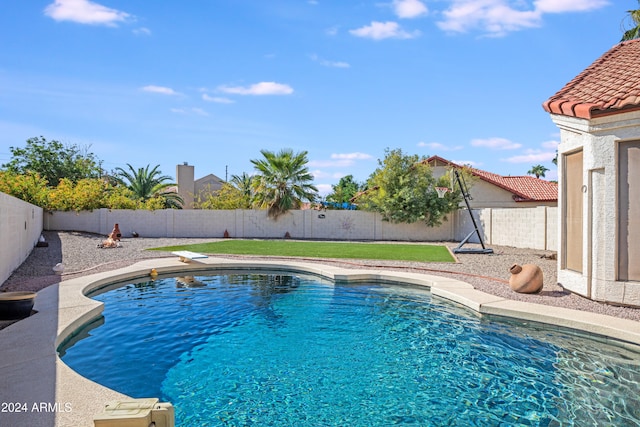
(526, 279)
(16, 305)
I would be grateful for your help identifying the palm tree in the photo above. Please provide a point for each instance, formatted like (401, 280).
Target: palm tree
(145, 184)
(538, 171)
(242, 183)
(283, 182)
(634, 31)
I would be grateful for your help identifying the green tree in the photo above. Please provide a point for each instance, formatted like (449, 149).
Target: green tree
(555, 159)
(86, 194)
(402, 189)
(53, 161)
(632, 18)
(283, 182)
(243, 183)
(344, 190)
(538, 171)
(227, 197)
(147, 185)
(119, 197)
(30, 187)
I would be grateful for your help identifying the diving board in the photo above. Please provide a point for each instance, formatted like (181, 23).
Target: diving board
(188, 256)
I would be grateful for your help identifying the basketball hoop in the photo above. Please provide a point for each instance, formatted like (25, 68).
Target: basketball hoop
(442, 191)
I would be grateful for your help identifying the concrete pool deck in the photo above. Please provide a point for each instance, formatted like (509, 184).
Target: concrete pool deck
(38, 389)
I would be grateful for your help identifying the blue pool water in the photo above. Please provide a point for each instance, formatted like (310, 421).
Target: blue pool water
(275, 350)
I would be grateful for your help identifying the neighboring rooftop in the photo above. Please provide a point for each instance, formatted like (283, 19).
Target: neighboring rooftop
(611, 84)
(524, 188)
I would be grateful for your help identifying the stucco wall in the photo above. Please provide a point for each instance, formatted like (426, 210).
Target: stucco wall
(305, 224)
(520, 228)
(598, 139)
(20, 228)
(527, 227)
(490, 196)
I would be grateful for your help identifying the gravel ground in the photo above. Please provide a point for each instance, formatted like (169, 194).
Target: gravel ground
(488, 273)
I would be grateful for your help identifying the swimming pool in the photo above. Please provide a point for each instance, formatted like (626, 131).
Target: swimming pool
(277, 349)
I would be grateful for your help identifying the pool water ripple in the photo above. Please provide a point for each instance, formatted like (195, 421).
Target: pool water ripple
(273, 349)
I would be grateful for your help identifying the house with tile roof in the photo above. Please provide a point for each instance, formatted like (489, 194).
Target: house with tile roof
(490, 190)
(598, 113)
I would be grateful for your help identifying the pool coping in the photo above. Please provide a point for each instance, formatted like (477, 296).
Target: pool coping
(33, 378)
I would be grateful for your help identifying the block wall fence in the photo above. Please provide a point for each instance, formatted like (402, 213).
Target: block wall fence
(534, 228)
(22, 223)
(20, 227)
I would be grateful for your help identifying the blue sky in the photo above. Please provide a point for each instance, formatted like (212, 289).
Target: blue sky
(213, 82)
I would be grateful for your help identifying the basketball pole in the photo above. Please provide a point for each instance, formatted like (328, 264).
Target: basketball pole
(459, 249)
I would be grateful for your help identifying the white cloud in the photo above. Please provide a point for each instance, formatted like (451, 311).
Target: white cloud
(85, 12)
(547, 154)
(159, 89)
(409, 8)
(471, 163)
(326, 63)
(324, 189)
(262, 88)
(142, 31)
(439, 147)
(532, 156)
(352, 156)
(331, 31)
(498, 17)
(560, 6)
(318, 174)
(496, 143)
(495, 17)
(383, 30)
(217, 99)
(339, 160)
(199, 111)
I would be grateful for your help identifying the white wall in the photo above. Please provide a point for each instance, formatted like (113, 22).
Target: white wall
(300, 224)
(21, 225)
(520, 227)
(20, 228)
(598, 139)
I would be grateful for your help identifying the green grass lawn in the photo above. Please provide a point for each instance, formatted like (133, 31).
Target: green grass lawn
(381, 251)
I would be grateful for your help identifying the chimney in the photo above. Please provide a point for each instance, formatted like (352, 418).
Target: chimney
(186, 184)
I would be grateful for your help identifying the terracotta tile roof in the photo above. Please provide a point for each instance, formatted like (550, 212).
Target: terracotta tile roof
(524, 188)
(608, 85)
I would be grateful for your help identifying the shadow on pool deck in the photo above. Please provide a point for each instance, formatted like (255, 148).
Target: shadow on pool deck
(555, 294)
(30, 401)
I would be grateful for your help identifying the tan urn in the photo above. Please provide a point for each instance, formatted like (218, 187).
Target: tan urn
(525, 279)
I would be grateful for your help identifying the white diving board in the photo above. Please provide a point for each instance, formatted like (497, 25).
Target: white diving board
(188, 256)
